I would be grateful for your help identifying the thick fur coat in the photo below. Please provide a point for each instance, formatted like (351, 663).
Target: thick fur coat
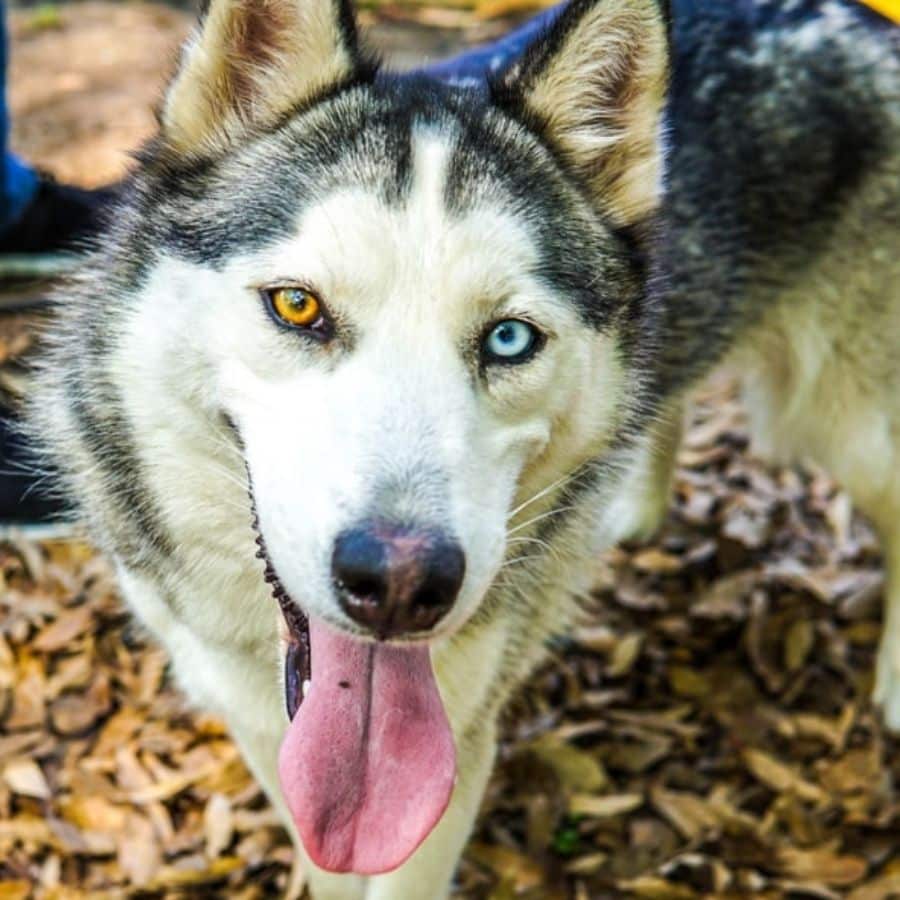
(650, 196)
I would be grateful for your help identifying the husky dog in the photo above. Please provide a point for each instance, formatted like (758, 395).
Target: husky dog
(407, 351)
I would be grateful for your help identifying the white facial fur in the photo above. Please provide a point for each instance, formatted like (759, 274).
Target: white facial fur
(399, 413)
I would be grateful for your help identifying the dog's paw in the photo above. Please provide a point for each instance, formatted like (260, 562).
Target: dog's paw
(887, 682)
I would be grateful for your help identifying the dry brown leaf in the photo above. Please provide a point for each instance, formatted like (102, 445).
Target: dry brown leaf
(690, 814)
(604, 807)
(749, 528)
(624, 655)
(798, 643)
(727, 599)
(600, 638)
(28, 696)
(781, 777)
(74, 714)
(218, 824)
(93, 813)
(118, 729)
(176, 783)
(576, 769)
(856, 772)
(19, 744)
(7, 664)
(657, 561)
(60, 634)
(194, 876)
(71, 672)
(510, 866)
(139, 855)
(130, 774)
(887, 887)
(831, 730)
(822, 864)
(24, 776)
(688, 682)
(27, 828)
(587, 865)
(652, 888)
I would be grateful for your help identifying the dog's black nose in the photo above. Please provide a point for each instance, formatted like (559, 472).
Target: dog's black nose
(396, 580)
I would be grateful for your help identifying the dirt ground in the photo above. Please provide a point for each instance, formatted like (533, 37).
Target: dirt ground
(85, 78)
(705, 732)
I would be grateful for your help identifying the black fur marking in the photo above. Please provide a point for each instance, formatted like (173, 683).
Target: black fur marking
(217, 207)
(298, 657)
(770, 137)
(141, 538)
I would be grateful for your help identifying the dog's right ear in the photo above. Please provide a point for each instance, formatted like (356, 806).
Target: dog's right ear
(594, 85)
(251, 61)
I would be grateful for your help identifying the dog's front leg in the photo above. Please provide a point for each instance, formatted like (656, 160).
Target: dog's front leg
(428, 873)
(639, 507)
(326, 885)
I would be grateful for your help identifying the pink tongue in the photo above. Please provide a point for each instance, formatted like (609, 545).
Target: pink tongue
(368, 762)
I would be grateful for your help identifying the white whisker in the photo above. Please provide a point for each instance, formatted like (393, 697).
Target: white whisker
(545, 515)
(558, 483)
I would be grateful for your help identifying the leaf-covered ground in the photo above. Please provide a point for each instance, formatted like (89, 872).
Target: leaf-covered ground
(705, 732)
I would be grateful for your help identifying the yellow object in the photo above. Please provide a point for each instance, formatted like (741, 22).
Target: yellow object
(296, 306)
(888, 8)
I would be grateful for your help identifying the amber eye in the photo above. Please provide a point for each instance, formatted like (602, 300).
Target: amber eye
(295, 306)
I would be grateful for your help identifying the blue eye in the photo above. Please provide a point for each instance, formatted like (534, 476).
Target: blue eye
(511, 341)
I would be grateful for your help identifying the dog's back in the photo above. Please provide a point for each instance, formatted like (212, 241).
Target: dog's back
(783, 241)
(785, 163)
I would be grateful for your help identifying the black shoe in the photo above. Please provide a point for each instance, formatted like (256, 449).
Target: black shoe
(58, 217)
(26, 497)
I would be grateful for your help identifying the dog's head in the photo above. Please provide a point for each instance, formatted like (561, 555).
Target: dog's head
(421, 307)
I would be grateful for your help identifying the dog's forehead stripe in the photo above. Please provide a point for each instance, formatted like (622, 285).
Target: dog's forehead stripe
(431, 153)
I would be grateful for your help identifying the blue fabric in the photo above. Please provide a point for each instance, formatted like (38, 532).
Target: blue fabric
(18, 182)
(473, 67)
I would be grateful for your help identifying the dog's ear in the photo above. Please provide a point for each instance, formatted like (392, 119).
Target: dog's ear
(594, 85)
(250, 61)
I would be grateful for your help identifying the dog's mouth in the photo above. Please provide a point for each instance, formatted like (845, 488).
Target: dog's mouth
(368, 763)
(297, 663)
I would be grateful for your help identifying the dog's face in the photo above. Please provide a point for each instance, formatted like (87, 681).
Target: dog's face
(416, 304)
(419, 308)
(416, 356)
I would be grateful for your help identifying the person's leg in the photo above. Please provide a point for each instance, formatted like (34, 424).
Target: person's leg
(38, 214)
(18, 183)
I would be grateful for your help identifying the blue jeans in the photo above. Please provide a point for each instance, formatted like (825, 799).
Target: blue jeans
(17, 181)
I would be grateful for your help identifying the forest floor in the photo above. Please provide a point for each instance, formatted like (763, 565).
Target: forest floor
(706, 731)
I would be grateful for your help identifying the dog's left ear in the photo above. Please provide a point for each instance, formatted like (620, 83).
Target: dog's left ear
(594, 85)
(249, 62)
